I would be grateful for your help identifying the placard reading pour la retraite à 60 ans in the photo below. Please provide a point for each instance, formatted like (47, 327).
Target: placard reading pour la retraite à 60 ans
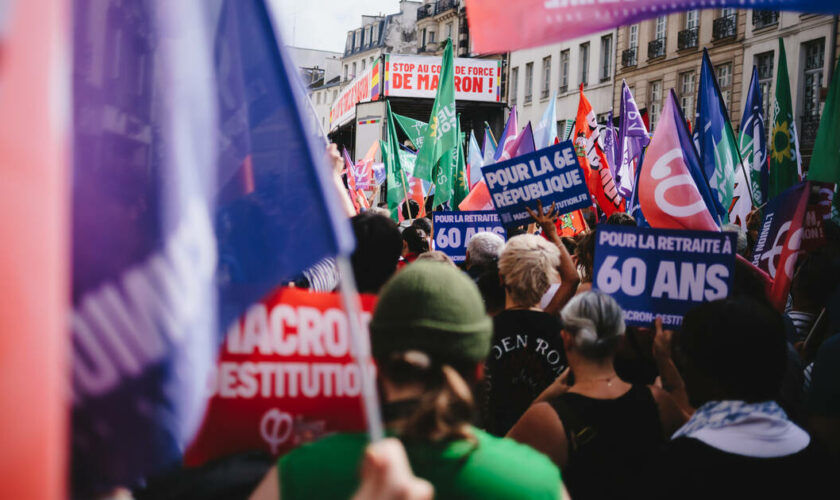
(551, 175)
(662, 272)
(454, 230)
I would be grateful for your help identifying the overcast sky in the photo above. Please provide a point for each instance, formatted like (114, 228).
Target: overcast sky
(323, 24)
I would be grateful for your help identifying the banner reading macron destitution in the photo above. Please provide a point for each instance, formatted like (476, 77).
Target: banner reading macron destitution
(454, 230)
(286, 376)
(662, 272)
(550, 175)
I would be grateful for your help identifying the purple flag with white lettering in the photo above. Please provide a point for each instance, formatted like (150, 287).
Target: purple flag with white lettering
(632, 139)
(196, 190)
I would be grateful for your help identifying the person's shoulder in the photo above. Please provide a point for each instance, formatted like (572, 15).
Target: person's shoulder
(339, 444)
(515, 460)
(337, 456)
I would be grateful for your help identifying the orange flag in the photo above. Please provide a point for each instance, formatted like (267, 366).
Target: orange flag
(593, 160)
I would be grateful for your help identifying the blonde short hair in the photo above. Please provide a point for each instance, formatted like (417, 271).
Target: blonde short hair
(528, 266)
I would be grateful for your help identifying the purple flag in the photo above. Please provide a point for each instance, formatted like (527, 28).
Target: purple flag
(610, 144)
(194, 179)
(632, 139)
(524, 142)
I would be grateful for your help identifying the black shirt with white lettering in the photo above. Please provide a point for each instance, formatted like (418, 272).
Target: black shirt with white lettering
(526, 356)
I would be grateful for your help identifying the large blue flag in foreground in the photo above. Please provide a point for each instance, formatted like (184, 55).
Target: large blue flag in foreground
(193, 179)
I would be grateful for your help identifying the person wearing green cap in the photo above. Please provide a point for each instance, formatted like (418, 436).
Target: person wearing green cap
(429, 337)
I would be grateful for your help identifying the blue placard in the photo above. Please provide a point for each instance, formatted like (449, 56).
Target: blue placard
(551, 175)
(454, 230)
(662, 272)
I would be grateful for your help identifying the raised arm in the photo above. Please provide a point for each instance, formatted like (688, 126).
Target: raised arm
(569, 279)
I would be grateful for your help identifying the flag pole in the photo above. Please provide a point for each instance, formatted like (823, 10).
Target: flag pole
(361, 345)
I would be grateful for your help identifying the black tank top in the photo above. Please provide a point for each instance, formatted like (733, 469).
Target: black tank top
(612, 443)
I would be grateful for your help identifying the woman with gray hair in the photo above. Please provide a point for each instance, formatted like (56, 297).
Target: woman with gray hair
(602, 432)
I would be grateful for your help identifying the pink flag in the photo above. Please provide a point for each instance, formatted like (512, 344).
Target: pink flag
(498, 26)
(35, 257)
(668, 192)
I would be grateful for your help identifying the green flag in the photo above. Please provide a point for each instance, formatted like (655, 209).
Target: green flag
(825, 162)
(393, 168)
(441, 135)
(444, 176)
(414, 129)
(785, 162)
(462, 186)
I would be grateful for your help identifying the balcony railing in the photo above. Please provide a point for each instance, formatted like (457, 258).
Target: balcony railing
(725, 27)
(425, 11)
(628, 57)
(687, 39)
(433, 9)
(764, 18)
(444, 5)
(656, 48)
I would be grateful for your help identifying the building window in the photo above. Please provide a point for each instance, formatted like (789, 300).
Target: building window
(374, 33)
(358, 43)
(606, 57)
(346, 68)
(431, 37)
(354, 71)
(546, 77)
(423, 45)
(629, 55)
(656, 47)
(660, 28)
(584, 63)
(633, 36)
(564, 70)
(764, 64)
(724, 77)
(448, 30)
(514, 85)
(812, 77)
(655, 106)
(529, 82)
(371, 60)
(348, 46)
(692, 19)
(687, 94)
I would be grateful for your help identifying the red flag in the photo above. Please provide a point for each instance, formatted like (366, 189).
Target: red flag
(668, 193)
(571, 224)
(593, 160)
(780, 239)
(478, 199)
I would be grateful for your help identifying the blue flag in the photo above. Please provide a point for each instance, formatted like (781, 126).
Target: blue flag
(715, 141)
(752, 142)
(196, 191)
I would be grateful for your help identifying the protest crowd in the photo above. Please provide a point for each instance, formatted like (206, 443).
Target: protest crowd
(584, 317)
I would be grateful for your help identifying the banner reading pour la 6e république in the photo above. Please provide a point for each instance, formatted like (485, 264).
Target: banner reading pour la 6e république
(550, 175)
(454, 230)
(662, 272)
(286, 375)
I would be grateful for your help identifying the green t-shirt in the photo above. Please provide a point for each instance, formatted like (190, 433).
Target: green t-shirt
(495, 468)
